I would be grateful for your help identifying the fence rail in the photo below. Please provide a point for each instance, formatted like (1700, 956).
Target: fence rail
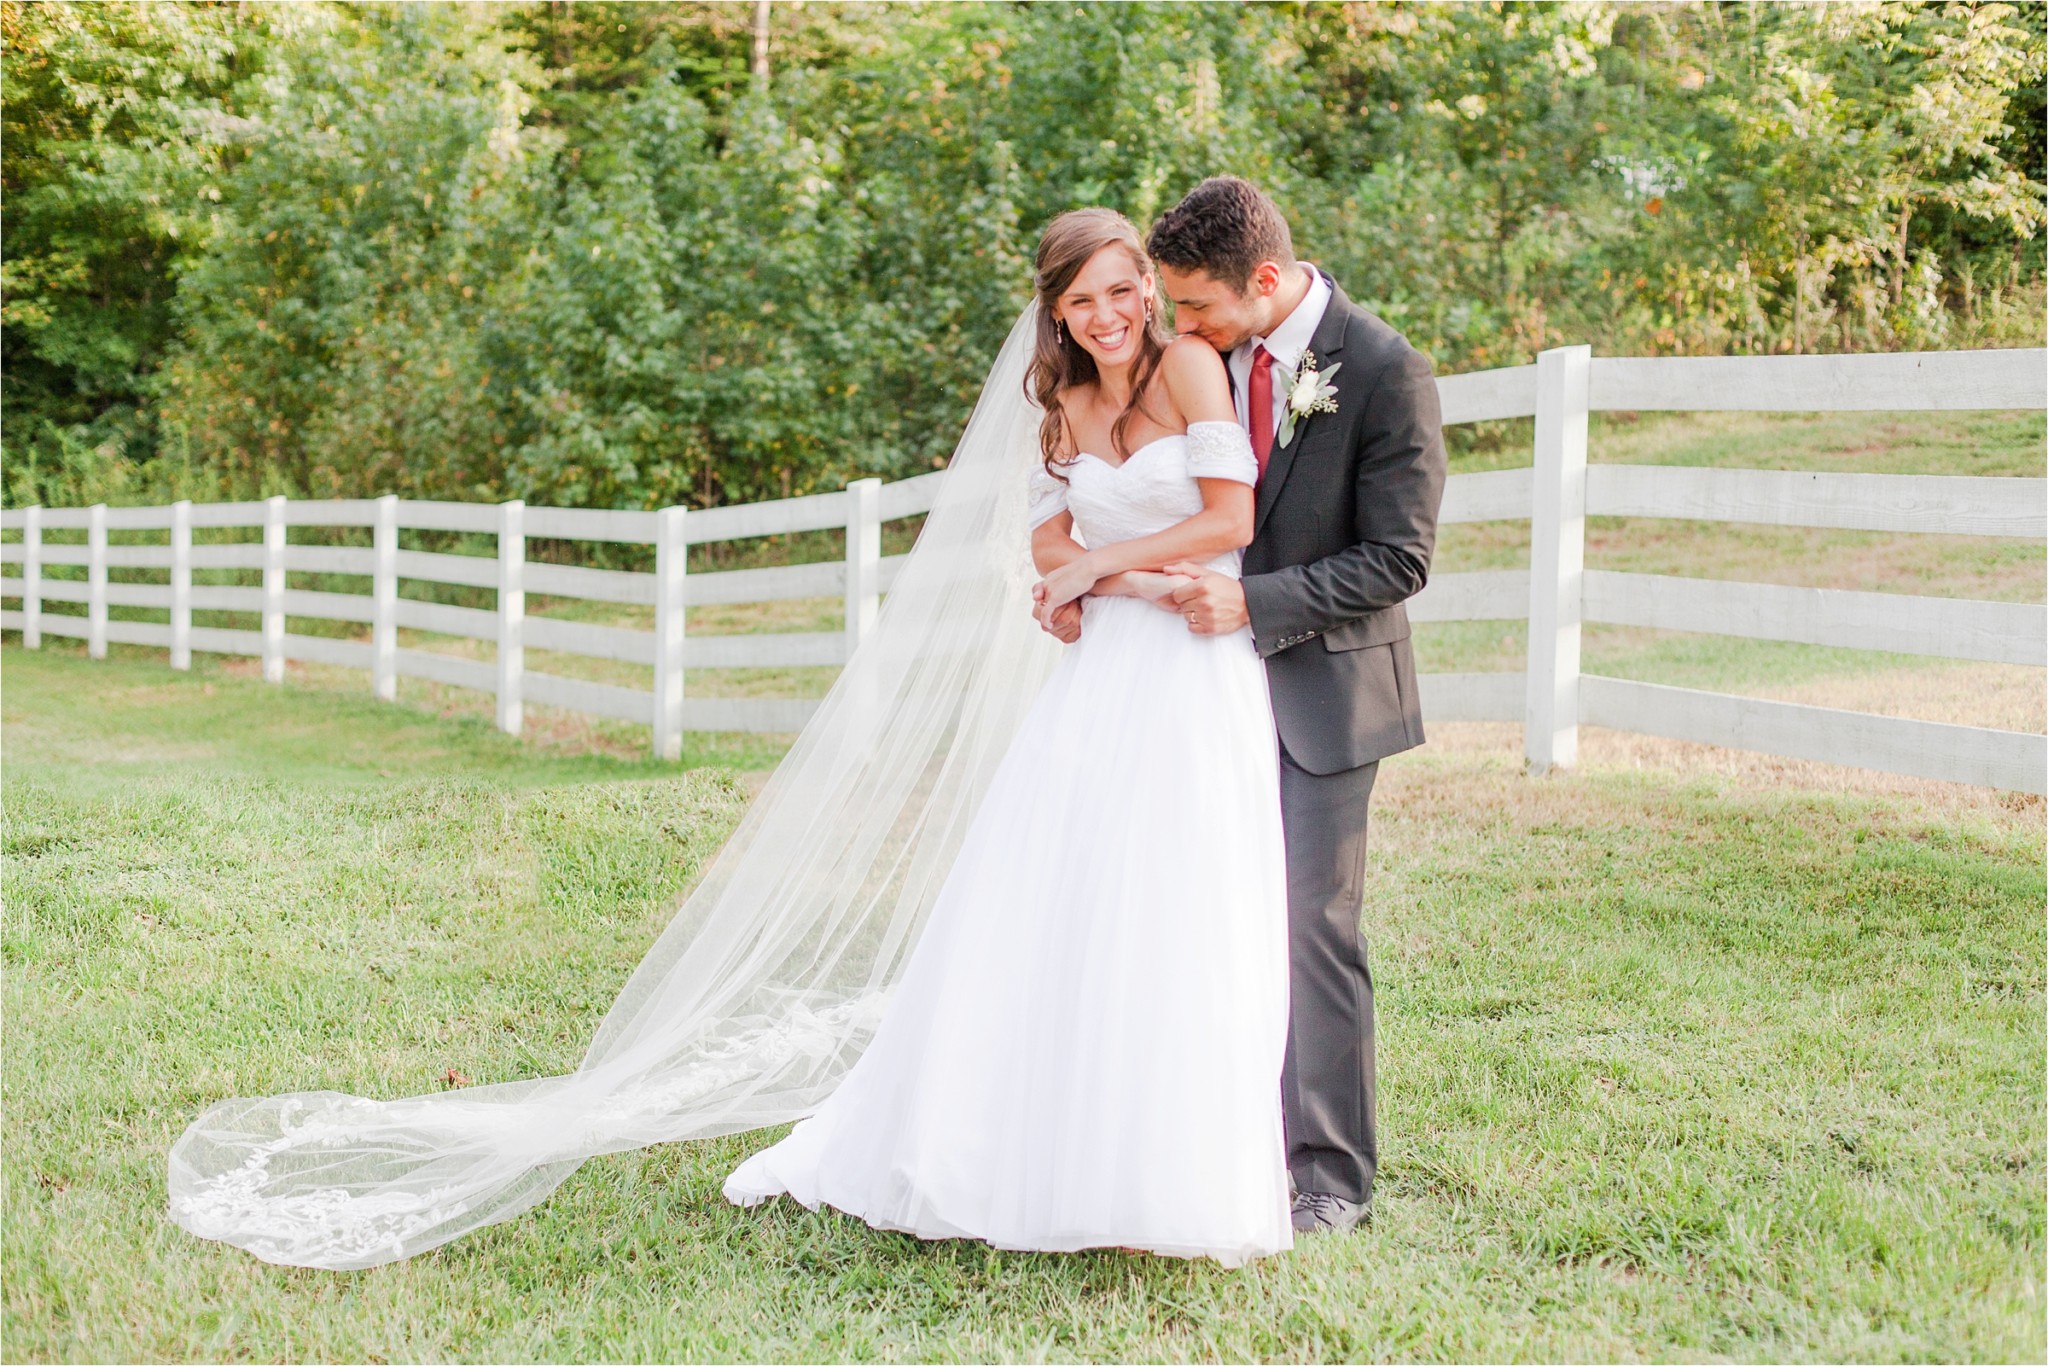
(1556, 595)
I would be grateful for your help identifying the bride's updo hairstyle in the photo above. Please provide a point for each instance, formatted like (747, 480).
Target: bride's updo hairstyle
(1060, 362)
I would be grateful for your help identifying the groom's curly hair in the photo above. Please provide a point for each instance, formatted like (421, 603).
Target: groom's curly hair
(1225, 226)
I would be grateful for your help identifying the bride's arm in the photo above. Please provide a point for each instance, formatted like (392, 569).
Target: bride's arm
(1224, 523)
(1053, 545)
(1199, 389)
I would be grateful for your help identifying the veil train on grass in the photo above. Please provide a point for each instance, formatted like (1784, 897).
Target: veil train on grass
(771, 976)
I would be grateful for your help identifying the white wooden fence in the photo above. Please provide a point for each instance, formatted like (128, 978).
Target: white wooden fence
(1556, 594)
(860, 577)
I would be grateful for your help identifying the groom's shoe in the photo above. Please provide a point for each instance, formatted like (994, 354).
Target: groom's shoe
(1321, 1212)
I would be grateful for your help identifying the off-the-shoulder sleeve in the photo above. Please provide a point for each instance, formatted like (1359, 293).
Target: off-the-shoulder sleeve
(1221, 450)
(1048, 497)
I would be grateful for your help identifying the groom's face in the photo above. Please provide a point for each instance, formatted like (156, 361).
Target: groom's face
(1205, 307)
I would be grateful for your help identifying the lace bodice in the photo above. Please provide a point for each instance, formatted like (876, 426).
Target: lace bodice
(1150, 491)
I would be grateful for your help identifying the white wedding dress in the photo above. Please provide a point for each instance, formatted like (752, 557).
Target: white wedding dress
(1085, 1046)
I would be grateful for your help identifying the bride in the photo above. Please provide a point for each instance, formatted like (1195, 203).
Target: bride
(1085, 1046)
(1005, 931)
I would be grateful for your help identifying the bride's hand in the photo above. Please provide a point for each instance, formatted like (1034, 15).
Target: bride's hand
(1040, 612)
(1064, 584)
(1155, 587)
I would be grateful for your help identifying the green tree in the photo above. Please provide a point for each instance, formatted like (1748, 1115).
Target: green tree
(116, 120)
(586, 254)
(328, 334)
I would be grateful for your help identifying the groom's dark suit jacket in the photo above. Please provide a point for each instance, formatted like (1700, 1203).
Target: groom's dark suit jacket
(1345, 526)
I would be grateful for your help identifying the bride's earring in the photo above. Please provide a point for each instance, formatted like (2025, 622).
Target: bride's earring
(1059, 330)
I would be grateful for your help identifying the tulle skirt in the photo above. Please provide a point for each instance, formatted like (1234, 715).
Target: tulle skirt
(1084, 1049)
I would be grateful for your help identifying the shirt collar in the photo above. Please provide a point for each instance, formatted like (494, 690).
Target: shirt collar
(1297, 329)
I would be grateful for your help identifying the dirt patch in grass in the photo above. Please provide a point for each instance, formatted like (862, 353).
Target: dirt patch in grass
(1499, 745)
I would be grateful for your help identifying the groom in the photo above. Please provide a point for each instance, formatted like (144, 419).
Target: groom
(1344, 527)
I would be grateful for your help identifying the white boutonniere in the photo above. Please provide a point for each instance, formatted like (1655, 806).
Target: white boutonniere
(1308, 391)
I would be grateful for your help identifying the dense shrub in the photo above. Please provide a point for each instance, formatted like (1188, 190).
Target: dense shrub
(583, 255)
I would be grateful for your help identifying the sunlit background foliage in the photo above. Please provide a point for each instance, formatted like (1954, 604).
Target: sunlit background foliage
(591, 254)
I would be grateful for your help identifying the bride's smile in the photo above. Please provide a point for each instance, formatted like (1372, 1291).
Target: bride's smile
(1105, 308)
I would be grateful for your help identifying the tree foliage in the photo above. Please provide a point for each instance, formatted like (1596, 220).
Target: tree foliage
(577, 253)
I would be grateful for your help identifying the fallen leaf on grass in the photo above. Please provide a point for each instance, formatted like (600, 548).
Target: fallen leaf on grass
(453, 1078)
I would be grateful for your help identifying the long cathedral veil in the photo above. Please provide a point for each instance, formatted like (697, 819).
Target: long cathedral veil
(769, 980)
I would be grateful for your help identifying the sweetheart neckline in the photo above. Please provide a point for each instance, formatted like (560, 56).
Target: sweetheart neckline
(1132, 456)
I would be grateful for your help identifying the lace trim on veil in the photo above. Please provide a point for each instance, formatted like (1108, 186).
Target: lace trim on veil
(770, 977)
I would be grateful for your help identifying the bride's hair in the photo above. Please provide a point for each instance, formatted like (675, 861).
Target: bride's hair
(1059, 362)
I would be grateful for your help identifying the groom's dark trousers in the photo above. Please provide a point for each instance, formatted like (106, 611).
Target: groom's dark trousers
(1327, 1087)
(1344, 530)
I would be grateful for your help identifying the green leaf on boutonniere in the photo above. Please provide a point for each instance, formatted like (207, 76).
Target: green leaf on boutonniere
(1308, 391)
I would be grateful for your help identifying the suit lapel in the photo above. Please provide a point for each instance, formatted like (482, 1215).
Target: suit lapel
(1327, 342)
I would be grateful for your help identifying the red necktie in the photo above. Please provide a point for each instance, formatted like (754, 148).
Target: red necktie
(1259, 407)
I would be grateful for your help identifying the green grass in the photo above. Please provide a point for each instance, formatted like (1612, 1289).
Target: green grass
(131, 717)
(1674, 1064)
(1672, 1067)
(1985, 443)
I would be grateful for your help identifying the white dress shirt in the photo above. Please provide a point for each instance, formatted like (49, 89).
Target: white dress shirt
(1285, 345)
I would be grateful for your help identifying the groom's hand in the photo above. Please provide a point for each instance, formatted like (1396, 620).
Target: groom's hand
(1063, 623)
(1212, 603)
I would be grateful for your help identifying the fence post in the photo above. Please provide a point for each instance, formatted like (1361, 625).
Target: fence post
(863, 559)
(511, 612)
(273, 589)
(32, 578)
(1557, 558)
(671, 565)
(384, 600)
(181, 584)
(96, 581)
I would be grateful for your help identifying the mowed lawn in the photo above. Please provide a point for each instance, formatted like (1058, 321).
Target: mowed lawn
(1677, 1061)
(1685, 1055)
